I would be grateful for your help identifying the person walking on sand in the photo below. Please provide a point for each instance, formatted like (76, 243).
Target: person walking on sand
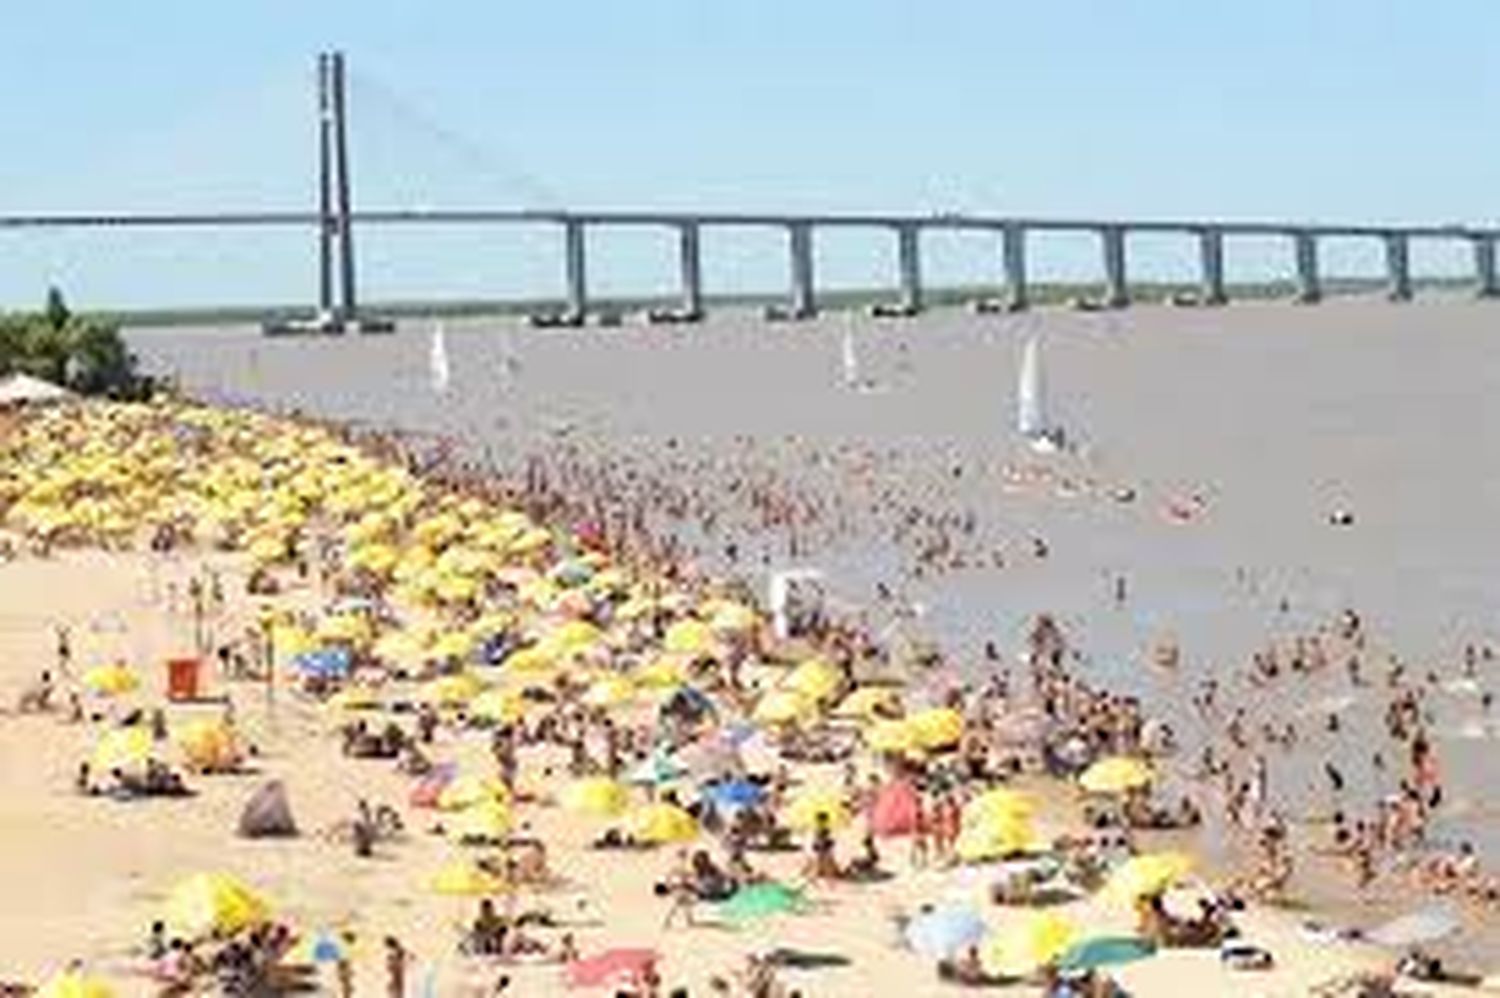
(679, 889)
(396, 960)
(921, 826)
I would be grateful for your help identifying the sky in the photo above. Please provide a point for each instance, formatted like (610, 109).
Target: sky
(1329, 110)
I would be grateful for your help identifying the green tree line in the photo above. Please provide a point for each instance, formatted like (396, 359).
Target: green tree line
(84, 354)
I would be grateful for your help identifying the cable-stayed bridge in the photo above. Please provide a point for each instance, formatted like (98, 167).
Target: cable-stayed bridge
(334, 221)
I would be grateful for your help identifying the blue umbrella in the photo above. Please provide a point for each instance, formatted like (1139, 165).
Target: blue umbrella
(323, 948)
(738, 733)
(325, 663)
(944, 932)
(734, 794)
(496, 648)
(1104, 951)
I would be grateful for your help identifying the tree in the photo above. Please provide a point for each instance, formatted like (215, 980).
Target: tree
(85, 354)
(56, 311)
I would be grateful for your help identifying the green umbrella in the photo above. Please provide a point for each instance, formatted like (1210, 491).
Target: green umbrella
(1104, 951)
(658, 769)
(761, 900)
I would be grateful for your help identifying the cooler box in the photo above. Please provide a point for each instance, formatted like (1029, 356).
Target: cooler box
(182, 678)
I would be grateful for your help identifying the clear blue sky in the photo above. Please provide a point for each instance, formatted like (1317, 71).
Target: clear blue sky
(1320, 109)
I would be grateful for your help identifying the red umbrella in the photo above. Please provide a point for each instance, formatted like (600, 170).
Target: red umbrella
(895, 809)
(430, 787)
(613, 966)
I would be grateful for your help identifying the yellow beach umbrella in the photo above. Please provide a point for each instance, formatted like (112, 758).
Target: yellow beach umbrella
(491, 624)
(733, 618)
(343, 628)
(995, 838)
(455, 690)
(209, 904)
(868, 702)
(462, 878)
(498, 706)
(354, 698)
(457, 645)
(1116, 774)
(209, 745)
(596, 795)
(470, 790)
(998, 803)
(288, 640)
(1146, 875)
(574, 635)
(122, 748)
(661, 823)
(537, 660)
(783, 707)
(936, 727)
(690, 637)
(379, 559)
(891, 736)
(487, 821)
(530, 542)
(399, 646)
(75, 984)
(810, 804)
(816, 679)
(111, 680)
(611, 691)
(1028, 944)
(267, 550)
(663, 673)
(452, 588)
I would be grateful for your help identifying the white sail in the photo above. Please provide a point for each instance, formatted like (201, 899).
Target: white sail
(438, 361)
(1031, 405)
(510, 356)
(851, 359)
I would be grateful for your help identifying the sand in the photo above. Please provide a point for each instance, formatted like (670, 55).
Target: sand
(86, 876)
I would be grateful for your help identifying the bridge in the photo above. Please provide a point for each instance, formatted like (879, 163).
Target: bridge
(335, 220)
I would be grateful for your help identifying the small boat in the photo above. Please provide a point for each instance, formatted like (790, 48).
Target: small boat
(438, 361)
(850, 360)
(1032, 421)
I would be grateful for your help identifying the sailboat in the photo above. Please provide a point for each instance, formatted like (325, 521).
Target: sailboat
(438, 361)
(851, 360)
(510, 356)
(854, 379)
(1032, 421)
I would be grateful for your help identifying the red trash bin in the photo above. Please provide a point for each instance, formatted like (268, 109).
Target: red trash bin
(182, 678)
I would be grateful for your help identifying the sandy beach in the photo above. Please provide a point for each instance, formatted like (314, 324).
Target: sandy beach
(95, 873)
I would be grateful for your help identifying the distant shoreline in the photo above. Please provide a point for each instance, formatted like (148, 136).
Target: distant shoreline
(1041, 294)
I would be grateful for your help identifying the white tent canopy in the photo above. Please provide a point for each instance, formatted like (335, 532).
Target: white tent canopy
(23, 389)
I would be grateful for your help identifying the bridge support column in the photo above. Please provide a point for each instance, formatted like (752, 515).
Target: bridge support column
(575, 263)
(690, 262)
(1013, 258)
(909, 257)
(327, 226)
(1309, 286)
(804, 304)
(348, 305)
(1211, 260)
(1116, 284)
(1398, 267)
(1484, 267)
